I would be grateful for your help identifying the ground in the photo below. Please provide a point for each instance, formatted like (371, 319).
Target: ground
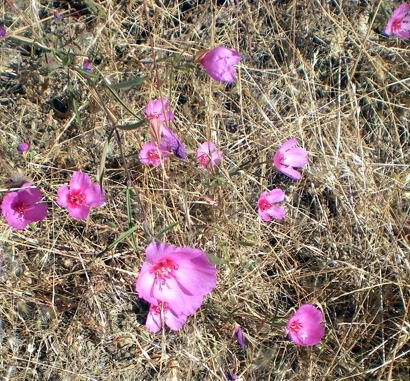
(320, 71)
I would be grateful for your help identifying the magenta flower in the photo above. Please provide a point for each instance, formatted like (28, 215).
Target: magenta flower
(219, 63)
(3, 32)
(238, 333)
(160, 313)
(305, 327)
(208, 156)
(179, 276)
(152, 155)
(87, 65)
(171, 143)
(268, 208)
(159, 109)
(23, 207)
(23, 147)
(399, 22)
(80, 196)
(288, 157)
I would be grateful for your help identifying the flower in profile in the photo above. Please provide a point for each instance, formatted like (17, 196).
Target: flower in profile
(219, 63)
(231, 376)
(268, 208)
(305, 327)
(238, 333)
(3, 32)
(152, 155)
(23, 207)
(160, 313)
(80, 196)
(178, 276)
(23, 147)
(208, 156)
(171, 143)
(159, 109)
(288, 157)
(399, 22)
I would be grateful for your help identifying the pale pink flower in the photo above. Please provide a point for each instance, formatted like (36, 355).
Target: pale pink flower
(268, 205)
(288, 157)
(208, 156)
(161, 312)
(23, 207)
(179, 276)
(399, 22)
(305, 327)
(159, 109)
(153, 155)
(80, 196)
(23, 147)
(219, 63)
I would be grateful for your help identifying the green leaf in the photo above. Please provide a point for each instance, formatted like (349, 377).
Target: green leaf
(74, 104)
(165, 230)
(121, 238)
(131, 126)
(101, 168)
(128, 84)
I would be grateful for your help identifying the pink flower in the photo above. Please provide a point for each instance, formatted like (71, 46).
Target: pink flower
(159, 109)
(288, 157)
(3, 32)
(208, 156)
(160, 312)
(179, 276)
(268, 208)
(305, 327)
(171, 143)
(151, 154)
(23, 147)
(399, 22)
(80, 196)
(23, 207)
(87, 65)
(238, 333)
(219, 63)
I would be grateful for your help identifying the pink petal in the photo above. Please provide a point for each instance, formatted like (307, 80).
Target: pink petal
(94, 196)
(265, 216)
(80, 181)
(156, 251)
(36, 213)
(277, 212)
(295, 157)
(290, 143)
(145, 283)
(290, 172)
(15, 221)
(153, 322)
(401, 11)
(275, 195)
(79, 213)
(62, 194)
(173, 321)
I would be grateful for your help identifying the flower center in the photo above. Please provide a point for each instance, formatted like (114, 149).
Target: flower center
(153, 154)
(76, 199)
(396, 25)
(156, 308)
(20, 208)
(295, 326)
(164, 270)
(264, 204)
(204, 159)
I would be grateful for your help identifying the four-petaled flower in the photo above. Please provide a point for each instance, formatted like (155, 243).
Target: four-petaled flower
(288, 157)
(399, 22)
(219, 63)
(208, 156)
(305, 327)
(161, 313)
(81, 195)
(23, 207)
(153, 155)
(178, 276)
(268, 208)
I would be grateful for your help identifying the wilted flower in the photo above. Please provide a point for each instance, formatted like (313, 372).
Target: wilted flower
(87, 65)
(399, 22)
(305, 327)
(208, 156)
(238, 333)
(178, 276)
(219, 63)
(160, 312)
(231, 376)
(81, 195)
(23, 207)
(268, 208)
(288, 157)
(152, 155)
(159, 109)
(57, 15)
(3, 32)
(23, 147)
(171, 142)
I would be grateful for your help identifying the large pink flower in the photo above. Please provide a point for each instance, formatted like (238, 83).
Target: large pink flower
(305, 327)
(179, 276)
(268, 205)
(219, 63)
(161, 312)
(159, 109)
(153, 155)
(288, 157)
(23, 207)
(399, 22)
(81, 195)
(208, 156)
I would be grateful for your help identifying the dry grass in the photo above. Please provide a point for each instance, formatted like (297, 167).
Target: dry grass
(321, 71)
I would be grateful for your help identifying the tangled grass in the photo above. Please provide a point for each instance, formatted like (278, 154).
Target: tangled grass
(321, 71)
